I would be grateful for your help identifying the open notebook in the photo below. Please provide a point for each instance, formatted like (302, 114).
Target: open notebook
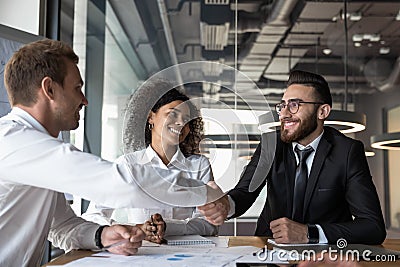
(188, 240)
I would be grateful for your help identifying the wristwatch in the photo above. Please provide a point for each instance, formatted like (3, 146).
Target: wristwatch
(312, 234)
(97, 236)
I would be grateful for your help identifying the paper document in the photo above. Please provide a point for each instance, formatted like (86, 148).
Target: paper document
(219, 241)
(168, 256)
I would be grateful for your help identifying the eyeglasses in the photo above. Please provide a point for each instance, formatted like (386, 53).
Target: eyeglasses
(293, 105)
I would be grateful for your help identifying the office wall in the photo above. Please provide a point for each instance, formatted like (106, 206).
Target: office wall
(373, 106)
(7, 48)
(21, 14)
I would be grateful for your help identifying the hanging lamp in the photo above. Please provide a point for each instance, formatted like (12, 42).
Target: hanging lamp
(388, 141)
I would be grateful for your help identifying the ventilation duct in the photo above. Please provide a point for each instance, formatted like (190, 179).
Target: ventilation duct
(215, 18)
(378, 66)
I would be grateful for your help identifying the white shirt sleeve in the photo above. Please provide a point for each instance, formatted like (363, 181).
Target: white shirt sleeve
(231, 207)
(68, 231)
(98, 214)
(322, 236)
(34, 158)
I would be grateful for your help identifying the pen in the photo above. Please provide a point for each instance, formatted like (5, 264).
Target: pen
(116, 244)
(153, 224)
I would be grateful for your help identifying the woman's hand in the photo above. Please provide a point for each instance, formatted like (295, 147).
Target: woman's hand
(154, 228)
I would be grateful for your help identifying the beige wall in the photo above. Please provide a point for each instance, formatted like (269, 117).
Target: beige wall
(373, 106)
(394, 169)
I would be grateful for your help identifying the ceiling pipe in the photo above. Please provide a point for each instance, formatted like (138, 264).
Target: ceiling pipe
(169, 38)
(393, 81)
(246, 25)
(280, 13)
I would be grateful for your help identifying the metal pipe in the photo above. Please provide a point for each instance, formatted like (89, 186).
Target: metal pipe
(346, 55)
(168, 36)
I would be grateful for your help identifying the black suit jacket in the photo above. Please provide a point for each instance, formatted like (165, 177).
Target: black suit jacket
(339, 187)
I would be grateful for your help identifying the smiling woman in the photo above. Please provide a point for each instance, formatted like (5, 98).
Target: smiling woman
(172, 134)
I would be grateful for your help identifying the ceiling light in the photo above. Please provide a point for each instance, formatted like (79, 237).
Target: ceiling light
(367, 36)
(398, 16)
(344, 121)
(357, 44)
(357, 37)
(388, 141)
(384, 50)
(355, 16)
(327, 51)
(269, 122)
(369, 153)
(216, 2)
(374, 37)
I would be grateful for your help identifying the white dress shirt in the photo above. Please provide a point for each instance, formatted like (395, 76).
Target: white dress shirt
(34, 165)
(179, 220)
(309, 161)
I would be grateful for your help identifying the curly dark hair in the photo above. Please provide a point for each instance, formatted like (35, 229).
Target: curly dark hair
(190, 145)
(150, 96)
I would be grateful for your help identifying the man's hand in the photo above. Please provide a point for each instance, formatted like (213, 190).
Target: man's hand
(154, 228)
(287, 231)
(216, 212)
(117, 233)
(214, 192)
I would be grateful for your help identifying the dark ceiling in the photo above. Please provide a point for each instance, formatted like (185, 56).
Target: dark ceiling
(272, 37)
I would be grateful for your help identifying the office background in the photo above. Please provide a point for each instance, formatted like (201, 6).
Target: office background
(121, 43)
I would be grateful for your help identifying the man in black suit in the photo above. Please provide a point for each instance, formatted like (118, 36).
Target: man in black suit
(319, 187)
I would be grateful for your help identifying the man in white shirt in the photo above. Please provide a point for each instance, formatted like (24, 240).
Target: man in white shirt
(44, 88)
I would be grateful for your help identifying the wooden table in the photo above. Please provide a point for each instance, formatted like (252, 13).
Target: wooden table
(234, 241)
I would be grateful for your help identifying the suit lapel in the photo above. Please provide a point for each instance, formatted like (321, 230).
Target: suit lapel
(319, 159)
(290, 173)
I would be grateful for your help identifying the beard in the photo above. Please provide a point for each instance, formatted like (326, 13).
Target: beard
(306, 127)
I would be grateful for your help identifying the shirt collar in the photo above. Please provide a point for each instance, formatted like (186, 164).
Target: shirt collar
(21, 115)
(314, 144)
(151, 156)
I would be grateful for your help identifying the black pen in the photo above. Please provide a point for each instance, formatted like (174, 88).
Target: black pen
(153, 224)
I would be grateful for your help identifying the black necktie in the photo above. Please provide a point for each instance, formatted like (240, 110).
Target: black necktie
(300, 183)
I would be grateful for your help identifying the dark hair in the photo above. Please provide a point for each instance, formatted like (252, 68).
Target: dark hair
(190, 145)
(313, 80)
(28, 66)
